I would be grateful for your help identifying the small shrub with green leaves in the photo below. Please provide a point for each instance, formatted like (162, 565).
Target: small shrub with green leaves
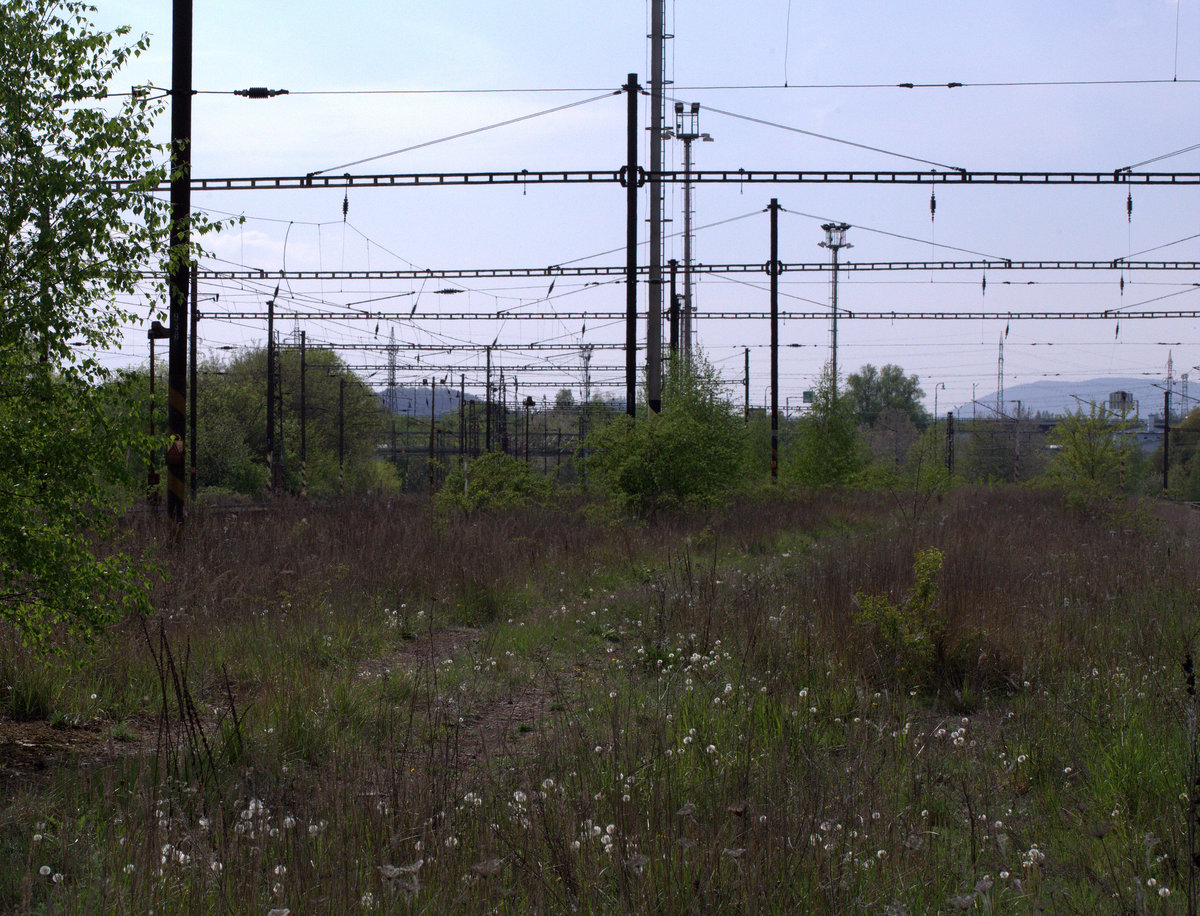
(913, 640)
(689, 453)
(829, 451)
(493, 481)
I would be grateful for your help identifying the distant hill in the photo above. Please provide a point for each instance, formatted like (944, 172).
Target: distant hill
(1055, 397)
(414, 401)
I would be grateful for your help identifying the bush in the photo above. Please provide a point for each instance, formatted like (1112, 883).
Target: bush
(913, 640)
(493, 481)
(830, 451)
(691, 452)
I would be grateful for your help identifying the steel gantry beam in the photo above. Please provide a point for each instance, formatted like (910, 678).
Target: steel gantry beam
(726, 176)
(556, 271)
(475, 369)
(937, 176)
(453, 348)
(743, 315)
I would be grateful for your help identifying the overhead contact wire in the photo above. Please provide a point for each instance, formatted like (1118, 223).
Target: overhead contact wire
(468, 133)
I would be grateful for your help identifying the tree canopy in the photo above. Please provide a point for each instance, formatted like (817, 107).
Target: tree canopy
(1090, 450)
(873, 392)
(343, 420)
(829, 451)
(77, 224)
(690, 452)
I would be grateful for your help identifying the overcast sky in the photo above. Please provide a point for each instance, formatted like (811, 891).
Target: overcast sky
(830, 56)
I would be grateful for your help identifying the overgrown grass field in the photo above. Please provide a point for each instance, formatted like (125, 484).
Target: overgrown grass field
(821, 703)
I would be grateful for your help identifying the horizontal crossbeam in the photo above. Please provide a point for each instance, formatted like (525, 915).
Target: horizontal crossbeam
(555, 271)
(738, 176)
(328, 315)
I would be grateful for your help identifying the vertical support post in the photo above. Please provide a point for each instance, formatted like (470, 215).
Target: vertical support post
(503, 414)
(432, 426)
(271, 389)
(950, 442)
(746, 381)
(631, 234)
(674, 308)
(181, 230)
(462, 416)
(304, 416)
(488, 403)
(1166, 437)
(687, 245)
(1017, 445)
(833, 330)
(192, 376)
(152, 472)
(773, 268)
(654, 318)
(341, 433)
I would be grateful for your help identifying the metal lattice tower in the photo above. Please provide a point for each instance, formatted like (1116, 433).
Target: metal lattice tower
(391, 360)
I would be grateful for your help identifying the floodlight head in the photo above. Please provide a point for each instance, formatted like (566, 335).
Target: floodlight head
(157, 331)
(835, 236)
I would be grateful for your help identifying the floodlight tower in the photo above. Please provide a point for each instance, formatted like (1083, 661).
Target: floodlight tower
(687, 129)
(835, 239)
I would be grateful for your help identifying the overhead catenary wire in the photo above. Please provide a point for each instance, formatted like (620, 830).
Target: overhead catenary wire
(717, 87)
(906, 238)
(467, 133)
(818, 136)
(1178, 152)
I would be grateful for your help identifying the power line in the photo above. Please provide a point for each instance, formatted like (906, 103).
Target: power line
(809, 133)
(1178, 152)
(468, 133)
(726, 87)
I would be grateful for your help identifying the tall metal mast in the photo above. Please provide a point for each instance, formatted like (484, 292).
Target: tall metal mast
(654, 317)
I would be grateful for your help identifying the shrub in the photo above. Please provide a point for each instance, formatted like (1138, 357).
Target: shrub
(913, 639)
(691, 452)
(493, 481)
(830, 451)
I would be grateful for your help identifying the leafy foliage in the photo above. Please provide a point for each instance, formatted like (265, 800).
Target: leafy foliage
(493, 481)
(874, 392)
(232, 438)
(690, 452)
(1184, 470)
(77, 223)
(829, 451)
(1089, 450)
